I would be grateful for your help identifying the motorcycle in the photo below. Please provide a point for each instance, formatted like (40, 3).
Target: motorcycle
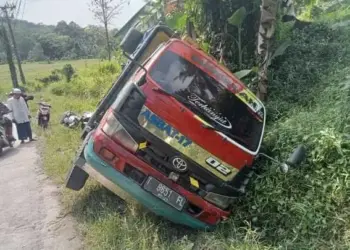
(85, 119)
(44, 114)
(70, 119)
(6, 138)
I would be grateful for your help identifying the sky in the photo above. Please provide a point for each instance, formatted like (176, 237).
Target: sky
(53, 11)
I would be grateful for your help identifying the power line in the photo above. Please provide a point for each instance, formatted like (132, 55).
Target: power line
(24, 6)
(5, 9)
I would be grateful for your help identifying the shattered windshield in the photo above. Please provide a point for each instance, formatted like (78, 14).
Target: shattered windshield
(208, 99)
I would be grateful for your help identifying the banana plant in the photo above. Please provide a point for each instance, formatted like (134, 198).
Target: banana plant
(278, 52)
(267, 27)
(237, 20)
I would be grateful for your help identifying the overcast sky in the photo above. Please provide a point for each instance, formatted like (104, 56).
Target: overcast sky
(53, 11)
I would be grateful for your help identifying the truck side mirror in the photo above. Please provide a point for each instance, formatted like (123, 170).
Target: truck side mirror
(297, 156)
(294, 159)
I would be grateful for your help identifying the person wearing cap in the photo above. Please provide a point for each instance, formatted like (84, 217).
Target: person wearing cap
(24, 95)
(20, 115)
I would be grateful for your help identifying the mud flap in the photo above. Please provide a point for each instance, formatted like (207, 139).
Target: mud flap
(77, 177)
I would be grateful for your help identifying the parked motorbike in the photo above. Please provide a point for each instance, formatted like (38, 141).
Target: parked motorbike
(44, 114)
(85, 119)
(6, 138)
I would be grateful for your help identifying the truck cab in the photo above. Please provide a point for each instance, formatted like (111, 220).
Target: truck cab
(177, 132)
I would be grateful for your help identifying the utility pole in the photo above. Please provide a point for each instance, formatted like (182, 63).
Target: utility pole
(7, 17)
(6, 42)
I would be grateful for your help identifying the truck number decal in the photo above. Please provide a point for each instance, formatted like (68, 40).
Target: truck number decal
(218, 166)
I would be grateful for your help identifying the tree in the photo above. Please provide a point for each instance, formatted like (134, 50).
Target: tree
(104, 11)
(55, 46)
(267, 28)
(12, 36)
(8, 49)
(37, 53)
(269, 13)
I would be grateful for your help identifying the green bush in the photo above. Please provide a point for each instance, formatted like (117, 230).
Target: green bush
(316, 52)
(309, 208)
(54, 77)
(68, 71)
(92, 82)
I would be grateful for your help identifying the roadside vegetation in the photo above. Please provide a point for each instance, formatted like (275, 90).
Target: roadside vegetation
(308, 103)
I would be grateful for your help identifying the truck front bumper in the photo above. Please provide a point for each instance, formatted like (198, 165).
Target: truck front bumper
(114, 180)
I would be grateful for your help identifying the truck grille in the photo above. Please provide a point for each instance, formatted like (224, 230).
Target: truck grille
(161, 162)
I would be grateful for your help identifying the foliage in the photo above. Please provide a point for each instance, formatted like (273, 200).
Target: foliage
(177, 21)
(68, 71)
(243, 73)
(53, 77)
(89, 83)
(105, 11)
(38, 42)
(238, 17)
(279, 51)
(211, 22)
(315, 50)
(237, 20)
(37, 53)
(37, 71)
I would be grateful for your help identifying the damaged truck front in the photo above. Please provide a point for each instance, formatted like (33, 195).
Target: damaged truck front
(177, 132)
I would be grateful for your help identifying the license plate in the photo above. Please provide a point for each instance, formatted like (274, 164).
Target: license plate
(164, 193)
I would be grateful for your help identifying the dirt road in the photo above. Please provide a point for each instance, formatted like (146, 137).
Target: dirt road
(30, 213)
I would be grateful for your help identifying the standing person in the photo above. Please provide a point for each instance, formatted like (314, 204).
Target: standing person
(20, 115)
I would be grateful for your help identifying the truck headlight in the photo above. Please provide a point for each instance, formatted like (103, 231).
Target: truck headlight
(117, 133)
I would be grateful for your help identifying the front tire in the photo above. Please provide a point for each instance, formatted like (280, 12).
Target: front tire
(44, 124)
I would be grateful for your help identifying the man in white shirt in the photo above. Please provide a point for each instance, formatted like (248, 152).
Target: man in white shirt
(20, 116)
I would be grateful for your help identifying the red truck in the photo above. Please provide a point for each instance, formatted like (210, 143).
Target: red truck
(177, 132)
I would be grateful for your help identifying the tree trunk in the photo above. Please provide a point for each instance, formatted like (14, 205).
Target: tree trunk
(240, 53)
(267, 28)
(15, 49)
(108, 43)
(8, 50)
(190, 29)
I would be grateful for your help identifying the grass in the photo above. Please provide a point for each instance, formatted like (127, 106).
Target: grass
(39, 69)
(308, 208)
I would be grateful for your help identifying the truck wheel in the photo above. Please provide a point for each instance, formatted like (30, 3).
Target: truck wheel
(131, 40)
(76, 178)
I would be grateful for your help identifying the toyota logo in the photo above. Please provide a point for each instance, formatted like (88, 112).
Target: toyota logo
(179, 164)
